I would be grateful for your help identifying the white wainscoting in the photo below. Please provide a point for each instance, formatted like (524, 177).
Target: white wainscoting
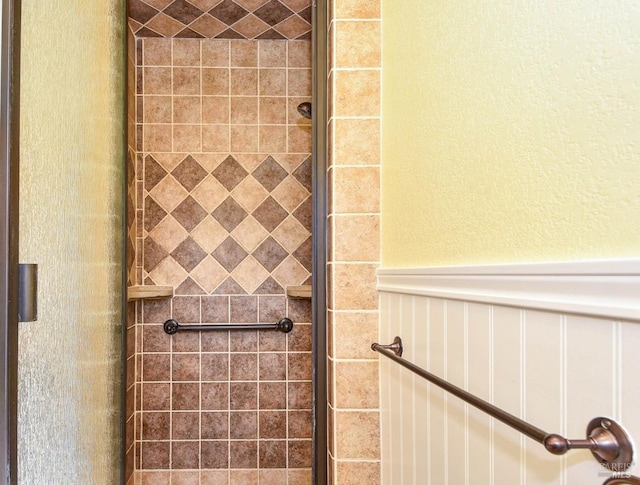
(557, 356)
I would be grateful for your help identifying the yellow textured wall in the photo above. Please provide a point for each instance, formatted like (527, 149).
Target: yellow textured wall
(511, 131)
(71, 170)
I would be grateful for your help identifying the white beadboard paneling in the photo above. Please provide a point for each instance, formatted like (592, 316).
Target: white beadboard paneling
(543, 392)
(602, 288)
(479, 383)
(555, 369)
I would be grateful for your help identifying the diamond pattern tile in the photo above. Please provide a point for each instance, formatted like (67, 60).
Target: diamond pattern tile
(153, 254)
(221, 19)
(188, 254)
(250, 194)
(303, 174)
(189, 287)
(269, 173)
(183, 11)
(270, 254)
(270, 214)
(229, 287)
(169, 193)
(153, 172)
(230, 173)
(209, 274)
(291, 234)
(250, 274)
(273, 12)
(168, 273)
(249, 234)
(169, 233)
(153, 213)
(209, 234)
(269, 287)
(189, 213)
(210, 193)
(304, 253)
(189, 173)
(229, 254)
(290, 194)
(229, 214)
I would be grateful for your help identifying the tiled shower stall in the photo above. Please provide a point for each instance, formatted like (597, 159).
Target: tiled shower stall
(219, 206)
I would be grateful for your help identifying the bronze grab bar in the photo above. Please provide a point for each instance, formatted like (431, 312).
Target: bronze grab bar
(284, 325)
(607, 440)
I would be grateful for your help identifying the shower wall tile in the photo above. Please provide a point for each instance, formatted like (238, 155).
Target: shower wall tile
(353, 239)
(224, 203)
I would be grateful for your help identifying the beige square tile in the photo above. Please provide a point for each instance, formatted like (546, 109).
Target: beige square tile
(214, 477)
(250, 234)
(244, 53)
(290, 193)
(209, 274)
(357, 141)
(156, 52)
(290, 234)
(357, 44)
(187, 109)
(168, 273)
(353, 385)
(169, 234)
(249, 161)
(357, 238)
(293, 115)
(299, 82)
(186, 52)
(244, 138)
(244, 82)
(355, 190)
(299, 53)
(273, 53)
(186, 80)
(250, 194)
(215, 81)
(215, 109)
(216, 138)
(157, 109)
(215, 53)
(154, 478)
(357, 93)
(250, 274)
(273, 110)
(157, 80)
(357, 435)
(169, 193)
(209, 193)
(299, 477)
(187, 138)
(184, 477)
(244, 110)
(353, 334)
(157, 138)
(357, 472)
(273, 477)
(243, 477)
(273, 138)
(273, 82)
(354, 286)
(290, 273)
(356, 9)
(299, 139)
(209, 234)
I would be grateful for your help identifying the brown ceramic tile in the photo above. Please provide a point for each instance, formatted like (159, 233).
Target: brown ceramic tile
(273, 454)
(185, 426)
(273, 366)
(188, 254)
(155, 454)
(156, 397)
(299, 452)
(356, 473)
(243, 395)
(157, 80)
(186, 309)
(185, 454)
(299, 395)
(185, 342)
(215, 367)
(186, 367)
(244, 309)
(229, 214)
(215, 82)
(215, 341)
(272, 309)
(272, 54)
(273, 424)
(270, 254)
(273, 395)
(299, 366)
(156, 426)
(273, 110)
(244, 109)
(303, 476)
(243, 454)
(271, 342)
(155, 339)
(244, 138)
(243, 425)
(185, 396)
(300, 311)
(270, 214)
(157, 52)
(214, 454)
(156, 367)
(299, 424)
(215, 53)
(299, 54)
(359, 436)
(215, 396)
(243, 341)
(186, 52)
(187, 109)
(244, 367)
(244, 53)
(185, 477)
(157, 109)
(273, 477)
(186, 81)
(215, 109)
(216, 138)
(273, 82)
(300, 338)
(187, 138)
(215, 425)
(157, 138)
(244, 82)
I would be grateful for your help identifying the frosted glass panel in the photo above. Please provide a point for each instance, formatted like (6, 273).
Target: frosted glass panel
(71, 225)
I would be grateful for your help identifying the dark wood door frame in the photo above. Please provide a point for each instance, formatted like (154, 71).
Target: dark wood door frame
(9, 129)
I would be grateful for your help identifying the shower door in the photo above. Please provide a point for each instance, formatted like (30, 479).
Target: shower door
(70, 221)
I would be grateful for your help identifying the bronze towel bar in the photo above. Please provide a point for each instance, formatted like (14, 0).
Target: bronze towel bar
(284, 325)
(607, 440)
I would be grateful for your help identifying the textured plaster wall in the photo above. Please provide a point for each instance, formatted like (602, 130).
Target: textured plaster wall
(510, 131)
